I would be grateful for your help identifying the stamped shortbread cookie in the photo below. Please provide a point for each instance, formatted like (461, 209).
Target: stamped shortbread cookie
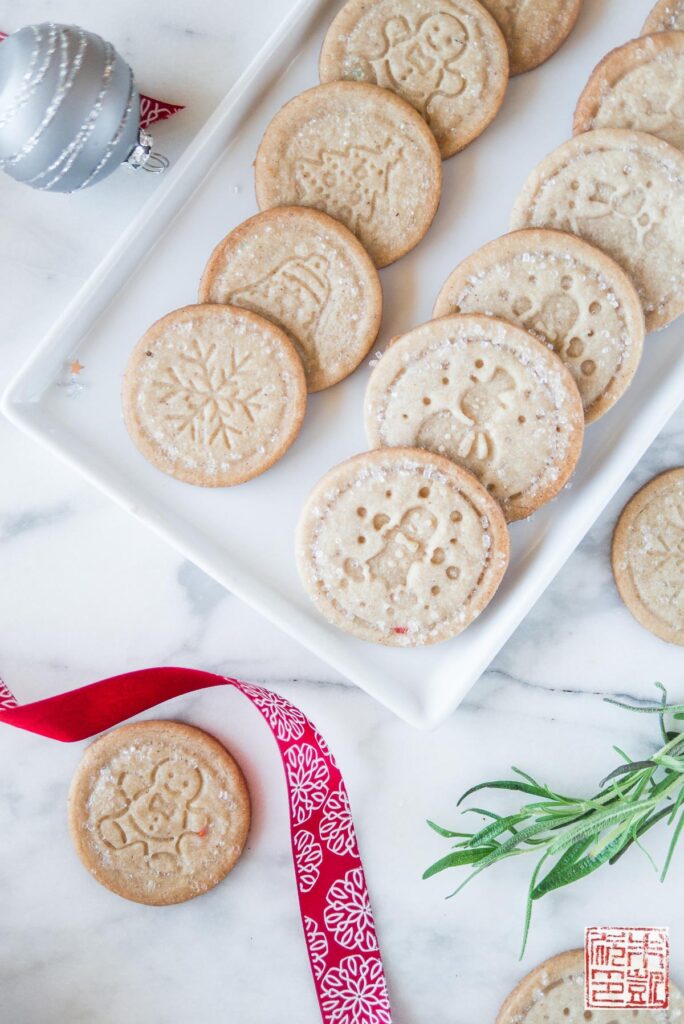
(486, 394)
(568, 294)
(667, 15)
(553, 993)
(361, 154)
(214, 395)
(648, 556)
(624, 192)
(158, 811)
(534, 29)
(401, 547)
(639, 85)
(448, 58)
(309, 275)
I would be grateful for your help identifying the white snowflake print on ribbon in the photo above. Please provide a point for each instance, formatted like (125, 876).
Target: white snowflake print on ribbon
(355, 993)
(7, 699)
(308, 859)
(325, 749)
(308, 778)
(286, 721)
(348, 916)
(318, 947)
(337, 827)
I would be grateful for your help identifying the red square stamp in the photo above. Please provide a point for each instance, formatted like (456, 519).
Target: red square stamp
(626, 967)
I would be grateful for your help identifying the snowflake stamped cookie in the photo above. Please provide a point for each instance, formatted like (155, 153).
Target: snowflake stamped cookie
(158, 811)
(623, 191)
(648, 556)
(308, 274)
(448, 58)
(214, 395)
(568, 294)
(486, 394)
(359, 153)
(401, 547)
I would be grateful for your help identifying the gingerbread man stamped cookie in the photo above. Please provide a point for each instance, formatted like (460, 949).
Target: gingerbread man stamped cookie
(158, 811)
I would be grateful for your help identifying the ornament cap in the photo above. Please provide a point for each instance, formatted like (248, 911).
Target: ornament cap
(143, 157)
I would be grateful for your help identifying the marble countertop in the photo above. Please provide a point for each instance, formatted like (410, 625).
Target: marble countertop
(87, 592)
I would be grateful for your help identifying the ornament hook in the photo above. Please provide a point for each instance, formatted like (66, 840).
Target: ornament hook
(142, 156)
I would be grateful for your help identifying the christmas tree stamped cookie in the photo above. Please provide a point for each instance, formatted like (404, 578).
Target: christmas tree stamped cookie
(401, 547)
(158, 812)
(308, 274)
(487, 395)
(359, 153)
(214, 395)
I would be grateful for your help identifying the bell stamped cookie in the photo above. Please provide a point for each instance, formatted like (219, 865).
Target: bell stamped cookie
(158, 812)
(622, 191)
(648, 556)
(666, 16)
(487, 395)
(214, 395)
(359, 153)
(554, 992)
(401, 547)
(448, 58)
(638, 86)
(308, 274)
(533, 29)
(567, 293)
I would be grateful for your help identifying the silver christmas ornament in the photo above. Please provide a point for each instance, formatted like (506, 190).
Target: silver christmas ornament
(69, 109)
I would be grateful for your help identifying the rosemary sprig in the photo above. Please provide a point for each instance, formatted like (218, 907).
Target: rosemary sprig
(571, 836)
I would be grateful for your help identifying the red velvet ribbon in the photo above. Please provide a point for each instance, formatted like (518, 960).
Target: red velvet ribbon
(333, 898)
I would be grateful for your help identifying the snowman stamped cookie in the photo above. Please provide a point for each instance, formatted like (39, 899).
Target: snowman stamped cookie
(158, 811)
(401, 547)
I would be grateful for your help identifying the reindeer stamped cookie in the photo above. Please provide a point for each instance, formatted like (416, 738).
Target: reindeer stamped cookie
(648, 556)
(487, 395)
(359, 153)
(308, 274)
(448, 58)
(401, 547)
(158, 811)
(623, 191)
(533, 29)
(638, 86)
(568, 294)
(214, 395)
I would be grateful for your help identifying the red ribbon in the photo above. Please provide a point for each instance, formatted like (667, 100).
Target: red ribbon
(151, 110)
(333, 898)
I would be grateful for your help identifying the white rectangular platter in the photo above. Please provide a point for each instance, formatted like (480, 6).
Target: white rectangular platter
(243, 536)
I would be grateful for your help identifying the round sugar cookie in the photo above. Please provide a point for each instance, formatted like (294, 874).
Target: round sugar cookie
(308, 274)
(401, 547)
(567, 293)
(448, 58)
(158, 812)
(487, 395)
(214, 395)
(554, 992)
(666, 16)
(533, 29)
(622, 191)
(648, 556)
(361, 154)
(638, 86)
